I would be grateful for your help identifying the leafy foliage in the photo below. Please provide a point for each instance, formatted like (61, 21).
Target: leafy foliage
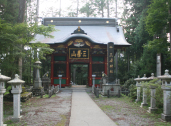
(11, 37)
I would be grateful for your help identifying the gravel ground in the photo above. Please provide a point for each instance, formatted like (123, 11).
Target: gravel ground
(124, 112)
(54, 111)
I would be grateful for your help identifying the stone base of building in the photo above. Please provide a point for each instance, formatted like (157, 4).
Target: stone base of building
(4, 124)
(165, 117)
(152, 110)
(16, 119)
(114, 89)
(38, 91)
(142, 105)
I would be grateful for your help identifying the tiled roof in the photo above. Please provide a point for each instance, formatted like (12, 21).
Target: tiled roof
(101, 34)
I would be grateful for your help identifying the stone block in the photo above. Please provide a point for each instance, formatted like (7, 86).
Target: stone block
(166, 117)
(16, 119)
(152, 110)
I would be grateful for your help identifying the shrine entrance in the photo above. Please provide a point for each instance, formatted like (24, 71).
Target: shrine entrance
(79, 74)
(81, 49)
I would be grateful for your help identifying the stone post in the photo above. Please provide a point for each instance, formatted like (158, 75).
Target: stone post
(166, 83)
(152, 107)
(144, 103)
(158, 65)
(93, 76)
(2, 91)
(138, 84)
(60, 77)
(16, 90)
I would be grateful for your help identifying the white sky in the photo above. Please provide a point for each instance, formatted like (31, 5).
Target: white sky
(51, 6)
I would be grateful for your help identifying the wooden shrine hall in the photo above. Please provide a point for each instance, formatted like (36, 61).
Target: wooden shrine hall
(80, 47)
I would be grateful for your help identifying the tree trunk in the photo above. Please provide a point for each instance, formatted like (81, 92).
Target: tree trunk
(170, 27)
(116, 8)
(108, 8)
(21, 14)
(37, 12)
(60, 9)
(77, 7)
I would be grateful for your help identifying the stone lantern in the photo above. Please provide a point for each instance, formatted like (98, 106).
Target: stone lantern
(138, 84)
(37, 87)
(152, 107)
(16, 84)
(37, 81)
(2, 91)
(166, 86)
(144, 79)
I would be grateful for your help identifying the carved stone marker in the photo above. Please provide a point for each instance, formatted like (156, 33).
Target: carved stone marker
(2, 91)
(110, 62)
(16, 90)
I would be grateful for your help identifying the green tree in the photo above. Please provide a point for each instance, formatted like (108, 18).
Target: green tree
(158, 24)
(133, 21)
(100, 6)
(20, 34)
(88, 9)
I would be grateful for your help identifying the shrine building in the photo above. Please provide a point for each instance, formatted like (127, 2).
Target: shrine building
(80, 48)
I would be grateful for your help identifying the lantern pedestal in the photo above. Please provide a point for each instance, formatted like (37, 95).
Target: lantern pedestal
(2, 91)
(16, 84)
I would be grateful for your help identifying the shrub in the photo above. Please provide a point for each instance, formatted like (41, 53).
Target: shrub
(132, 91)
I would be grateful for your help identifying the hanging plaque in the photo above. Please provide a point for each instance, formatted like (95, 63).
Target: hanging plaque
(78, 53)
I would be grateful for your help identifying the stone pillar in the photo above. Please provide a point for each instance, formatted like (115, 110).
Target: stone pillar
(166, 83)
(2, 91)
(110, 62)
(93, 76)
(138, 84)
(158, 65)
(16, 90)
(60, 77)
(144, 103)
(152, 107)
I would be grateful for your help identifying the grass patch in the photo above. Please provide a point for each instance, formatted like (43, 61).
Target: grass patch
(45, 96)
(106, 107)
(63, 121)
(126, 107)
(53, 96)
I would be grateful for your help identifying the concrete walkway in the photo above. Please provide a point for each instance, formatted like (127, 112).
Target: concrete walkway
(84, 112)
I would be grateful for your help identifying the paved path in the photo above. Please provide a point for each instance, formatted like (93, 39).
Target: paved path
(84, 112)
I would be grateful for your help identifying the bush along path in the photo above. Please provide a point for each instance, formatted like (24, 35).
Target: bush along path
(125, 112)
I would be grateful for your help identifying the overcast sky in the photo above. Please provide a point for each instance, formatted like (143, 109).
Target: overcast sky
(49, 7)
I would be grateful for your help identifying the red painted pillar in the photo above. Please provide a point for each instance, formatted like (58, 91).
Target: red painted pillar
(90, 71)
(105, 69)
(67, 71)
(52, 69)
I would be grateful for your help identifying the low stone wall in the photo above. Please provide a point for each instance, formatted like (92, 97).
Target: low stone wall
(53, 90)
